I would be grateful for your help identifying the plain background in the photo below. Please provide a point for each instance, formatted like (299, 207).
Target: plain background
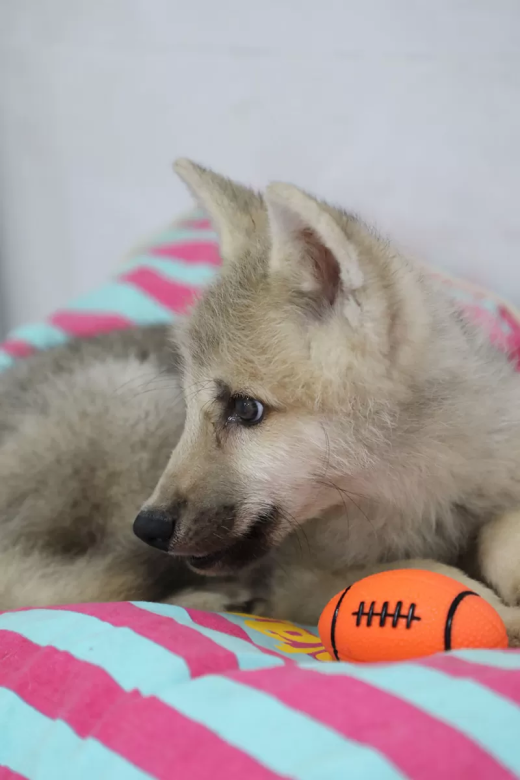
(406, 111)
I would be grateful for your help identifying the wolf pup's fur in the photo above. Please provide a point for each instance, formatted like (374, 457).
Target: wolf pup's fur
(330, 414)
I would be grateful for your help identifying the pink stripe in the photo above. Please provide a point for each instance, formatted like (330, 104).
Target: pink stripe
(218, 623)
(490, 322)
(17, 348)
(196, 224)
(84, 325)
(506, 682)
(421, 746)
(142, 729)
(224, 626)
(508, 317)
(173, 295)
(202, 655)
(192, 252)
(514, 357)
(8, 774)
(513, 344)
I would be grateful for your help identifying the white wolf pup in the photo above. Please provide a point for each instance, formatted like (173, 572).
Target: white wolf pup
(330, 413)
(341, 415)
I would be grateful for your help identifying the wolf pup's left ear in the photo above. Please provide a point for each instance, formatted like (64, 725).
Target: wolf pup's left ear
(311, 249)
(237, 212)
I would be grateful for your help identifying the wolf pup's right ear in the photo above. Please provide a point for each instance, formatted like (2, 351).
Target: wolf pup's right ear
(237, 212)
(311, 250)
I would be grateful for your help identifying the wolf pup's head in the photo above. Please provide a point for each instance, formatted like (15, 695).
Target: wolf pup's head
(296, 362)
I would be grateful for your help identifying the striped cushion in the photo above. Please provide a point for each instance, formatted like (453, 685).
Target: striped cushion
(160, 281)
(136, 690)
(132, 691)
(152, 286)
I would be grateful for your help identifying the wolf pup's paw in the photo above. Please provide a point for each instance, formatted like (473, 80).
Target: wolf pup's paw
(511, 618)
(221, 598)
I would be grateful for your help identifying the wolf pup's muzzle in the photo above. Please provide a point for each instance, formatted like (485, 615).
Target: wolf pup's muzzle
(208, 546)
(155, 527)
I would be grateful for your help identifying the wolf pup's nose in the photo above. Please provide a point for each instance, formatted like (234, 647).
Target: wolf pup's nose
(154, 527)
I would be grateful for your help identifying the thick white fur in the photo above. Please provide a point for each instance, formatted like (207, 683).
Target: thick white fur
(394, 433)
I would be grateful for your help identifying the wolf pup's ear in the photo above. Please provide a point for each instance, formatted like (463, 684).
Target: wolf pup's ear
(310, 248)
(237, 212)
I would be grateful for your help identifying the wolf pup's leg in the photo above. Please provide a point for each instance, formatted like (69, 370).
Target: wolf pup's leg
(219, 597)
(499, 556)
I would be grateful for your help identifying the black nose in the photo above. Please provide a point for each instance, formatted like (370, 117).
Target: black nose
(154, 527)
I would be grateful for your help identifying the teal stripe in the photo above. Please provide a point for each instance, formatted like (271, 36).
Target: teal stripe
(262, 640)
(195, 274)
(197, 212)
(38, 747)
(130, 659)
(125, 300)
(6, 361)
(178, 235)
(460, 294)
(285, 740)
(463, 297)
(251, 720)
(498, 659)
(41, 335)
(484, 716)
(466, 296)
(248, 656)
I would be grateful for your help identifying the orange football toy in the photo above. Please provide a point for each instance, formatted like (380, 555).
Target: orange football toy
(407, 613)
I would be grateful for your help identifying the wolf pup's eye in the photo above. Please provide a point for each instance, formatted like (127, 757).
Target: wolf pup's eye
(246, 410)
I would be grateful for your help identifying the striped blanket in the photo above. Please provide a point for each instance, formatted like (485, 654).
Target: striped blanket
(135, 690)
(160, 281)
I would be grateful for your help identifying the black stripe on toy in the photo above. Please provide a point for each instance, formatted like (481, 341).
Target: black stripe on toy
(334, 621)
(451, 613)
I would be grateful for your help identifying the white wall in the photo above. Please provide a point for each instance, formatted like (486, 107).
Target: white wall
(407, 111)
